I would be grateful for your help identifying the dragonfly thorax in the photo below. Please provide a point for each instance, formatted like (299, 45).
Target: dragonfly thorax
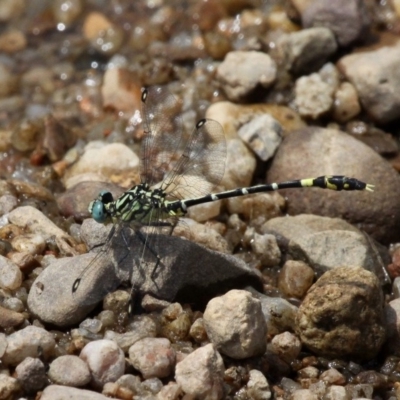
(138, 204)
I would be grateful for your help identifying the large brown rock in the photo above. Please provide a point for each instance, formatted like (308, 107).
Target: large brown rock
(316, 151)
(342, 315)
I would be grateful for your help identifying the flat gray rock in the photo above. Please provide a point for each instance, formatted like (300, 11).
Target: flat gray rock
(186, 271)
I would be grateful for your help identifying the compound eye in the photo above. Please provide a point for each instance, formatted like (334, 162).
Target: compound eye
(98, 211)
(105, 197)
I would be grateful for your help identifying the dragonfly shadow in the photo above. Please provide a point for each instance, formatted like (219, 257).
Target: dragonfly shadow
(173, 265)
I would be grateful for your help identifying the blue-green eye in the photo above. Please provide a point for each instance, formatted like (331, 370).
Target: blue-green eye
(98, 211)
(97, 207)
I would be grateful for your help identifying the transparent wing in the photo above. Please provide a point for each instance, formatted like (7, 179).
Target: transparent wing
(163, 133)
(201, 166)
(187, 166)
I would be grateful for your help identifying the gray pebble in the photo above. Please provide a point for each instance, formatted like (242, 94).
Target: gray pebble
(279, 314)
(10, 274)
(69, 370)
(349, 20)
(316, 239)
(307, 50)
(56, 282)
(28, 342)
(374, 75)
(263, 134)
(31, 374)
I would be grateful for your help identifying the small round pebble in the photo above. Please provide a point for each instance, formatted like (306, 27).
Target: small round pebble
(286, 345)
(31, 341)
(31, 374)
(9, 318)
(295, 278)
(10, 274)
(105, 359)
(153, 357)
(69, 370)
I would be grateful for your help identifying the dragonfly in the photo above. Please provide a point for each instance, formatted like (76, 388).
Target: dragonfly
(177, 171)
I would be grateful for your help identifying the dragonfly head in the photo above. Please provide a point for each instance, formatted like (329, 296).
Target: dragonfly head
(98, 208)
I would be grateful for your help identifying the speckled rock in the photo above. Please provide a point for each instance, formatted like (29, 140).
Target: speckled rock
(242, 71)
(235, 324)
(31, 374)
(286, 345)
(153, 357)
(200, 374)
(377, 213)
(313, 96)
(28, 342)
(377, 81)
(342, 315)
(69, 370)
(105, 360)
